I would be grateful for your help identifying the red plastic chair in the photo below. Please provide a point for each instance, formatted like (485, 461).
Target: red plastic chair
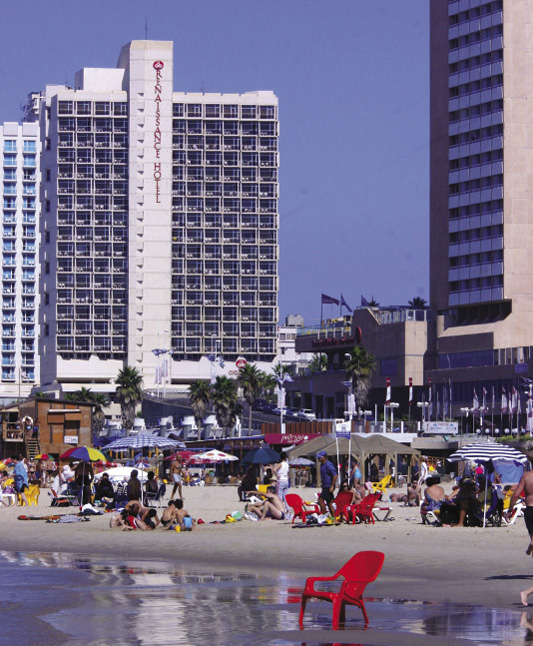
(300, 508)
(362, 511)
(358, 572)
(342, 500)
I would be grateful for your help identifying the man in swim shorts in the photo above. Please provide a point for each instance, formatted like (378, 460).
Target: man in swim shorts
(525, 488)
(175, 473)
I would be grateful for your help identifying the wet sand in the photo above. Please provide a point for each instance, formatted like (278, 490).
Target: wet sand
(465, 565)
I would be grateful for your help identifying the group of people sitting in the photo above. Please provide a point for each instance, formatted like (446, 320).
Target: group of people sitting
(464, 505)
(135, 516)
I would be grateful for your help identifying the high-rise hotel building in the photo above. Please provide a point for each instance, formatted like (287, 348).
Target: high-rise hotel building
(19, 155)
(481, 201)
(159, 222)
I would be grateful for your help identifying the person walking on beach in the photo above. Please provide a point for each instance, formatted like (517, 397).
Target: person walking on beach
(20, 476)
(525, 487)
(175, 472)
(328, 478)
(282, 471)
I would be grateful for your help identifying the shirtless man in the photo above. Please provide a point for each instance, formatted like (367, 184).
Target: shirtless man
(176, 472)
(272, 507)
(170, 514)
(525, 488)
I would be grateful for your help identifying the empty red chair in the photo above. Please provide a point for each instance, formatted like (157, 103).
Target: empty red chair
(300, 508)
(358, 572)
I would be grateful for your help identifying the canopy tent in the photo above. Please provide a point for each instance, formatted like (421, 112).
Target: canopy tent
(361, 448)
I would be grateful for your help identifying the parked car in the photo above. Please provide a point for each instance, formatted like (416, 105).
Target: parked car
(306, 415)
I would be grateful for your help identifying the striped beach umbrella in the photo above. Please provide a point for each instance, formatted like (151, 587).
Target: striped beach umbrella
(485, 452)
(143, 441)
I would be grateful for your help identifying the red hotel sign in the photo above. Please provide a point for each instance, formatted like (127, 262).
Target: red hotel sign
(158, 66)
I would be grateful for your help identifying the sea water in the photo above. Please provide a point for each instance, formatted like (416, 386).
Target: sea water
(69, 600)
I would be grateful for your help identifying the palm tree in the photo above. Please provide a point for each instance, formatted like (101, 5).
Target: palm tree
(359, 367)
(319, 363)
(199, 396)
(372, 302)
(249, 379)
(225, 402)
(129, 393)
(99, 402)
(418, 303)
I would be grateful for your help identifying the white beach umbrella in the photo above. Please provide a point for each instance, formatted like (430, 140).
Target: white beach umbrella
(215, 456)
(118, 474)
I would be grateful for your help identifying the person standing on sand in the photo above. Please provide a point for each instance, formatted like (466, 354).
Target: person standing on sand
(525, 487)
(328, 477)
(175, 473)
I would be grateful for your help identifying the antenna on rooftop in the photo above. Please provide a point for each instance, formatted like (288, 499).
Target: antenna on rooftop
(146, 29)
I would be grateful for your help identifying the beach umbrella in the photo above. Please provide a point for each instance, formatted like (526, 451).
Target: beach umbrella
(144, 441)
(84, 453)
(301, 462)
(215, 456)
(41, 456)
(263, 455)
(118, 474)
(486, 453)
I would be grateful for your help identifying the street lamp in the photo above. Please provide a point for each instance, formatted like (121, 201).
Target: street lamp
(351, 403)
(392, 406)
(423, 405)
(215, 359)
(281, 381)
(464, 411)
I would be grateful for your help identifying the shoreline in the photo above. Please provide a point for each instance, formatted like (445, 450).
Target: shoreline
(478, 566)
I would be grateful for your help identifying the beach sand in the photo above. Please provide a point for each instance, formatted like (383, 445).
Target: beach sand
(464, 565)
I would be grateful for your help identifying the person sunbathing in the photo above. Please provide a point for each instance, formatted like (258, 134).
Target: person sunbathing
(272, 507)
(434, 495)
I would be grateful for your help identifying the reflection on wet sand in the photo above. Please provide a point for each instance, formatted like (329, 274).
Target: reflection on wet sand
(162, 604)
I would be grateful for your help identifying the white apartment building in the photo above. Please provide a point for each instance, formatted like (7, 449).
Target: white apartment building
(19, 151)
(160, 223)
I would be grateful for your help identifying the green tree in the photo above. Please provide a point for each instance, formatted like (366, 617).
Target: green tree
(129, 394)
(319, 363)
(373, 302)
(225, 402)
(99, 401)
(249, 380)
(359, 366)
(418, 303)
(199, 396)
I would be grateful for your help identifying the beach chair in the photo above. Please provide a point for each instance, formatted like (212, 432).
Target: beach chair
(518, 510)
(340, 503)
(362, 511)
(382, 484)
(32, 495)
(301, 508)
(358, 572)
(493, 513)
(154, 498)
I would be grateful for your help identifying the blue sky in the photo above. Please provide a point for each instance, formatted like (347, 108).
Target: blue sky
(352, 77)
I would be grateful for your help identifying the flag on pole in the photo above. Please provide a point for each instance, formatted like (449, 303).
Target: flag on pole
(493, 399)
(430, 401)
(345, 304)
(475, 403)
(410, 391)
(505, 402)
(514, 401)
(364, 302)
(388, 395)
(529, 424)
(438, 406)
(445, 397)
(329, 300)
(484, 399)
